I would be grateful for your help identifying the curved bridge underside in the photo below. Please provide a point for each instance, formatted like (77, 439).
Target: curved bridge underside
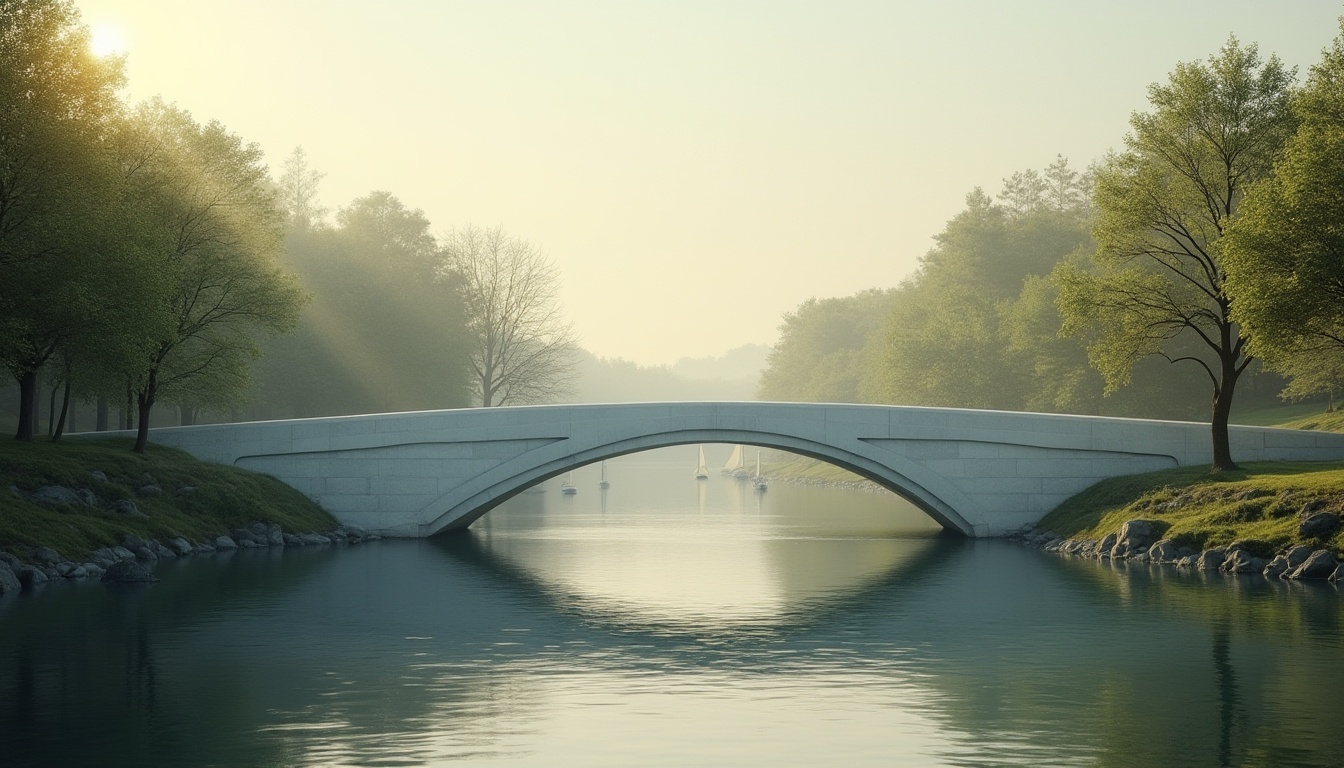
(983, 473)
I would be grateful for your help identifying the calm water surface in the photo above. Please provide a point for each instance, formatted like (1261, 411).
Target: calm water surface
(672, 623)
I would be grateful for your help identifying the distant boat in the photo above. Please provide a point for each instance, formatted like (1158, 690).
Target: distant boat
(759, 481)
(735, 466)
(701, 471)
(603, 484)
(567, 487)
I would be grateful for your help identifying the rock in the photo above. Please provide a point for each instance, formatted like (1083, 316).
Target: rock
(11, 560)
(59, 494)
(94, 570)
(315, 539)
(98, 475)
(64, 568)
(241, 535)
(1318, 566)
(180, 544)
(1135, 536)
(1241, 561)
(132, 542)
(1189, 561)
(224, 542)
(14, 490)
(127, 507)
(1297, 556)
(204, 548)
(30, 576)
(1211, 559)
(128, 571)
(1103, 549)
(103, 556)
(9, 583)
(1276, 568)
(293, 540)
(1311, 507)
(1163, 551)
(121, 554)
(249, 544)
(78, 572)
(146, 555)
(1338, 574)
(274, 535)
(46, 556)
(148, 479)
(162, 552)
(185, 491)
(148, 491)
(1318, 526)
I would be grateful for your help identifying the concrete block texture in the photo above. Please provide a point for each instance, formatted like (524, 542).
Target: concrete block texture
(984, 473)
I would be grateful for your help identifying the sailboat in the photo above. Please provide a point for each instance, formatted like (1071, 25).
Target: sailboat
(759, 481)
(567, 486)
(735, 466)
(701, 471)
(603, 484)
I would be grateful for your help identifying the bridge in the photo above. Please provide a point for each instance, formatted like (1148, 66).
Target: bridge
(983, 473)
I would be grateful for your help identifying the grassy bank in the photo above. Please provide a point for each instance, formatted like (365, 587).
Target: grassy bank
(1259, 502)
(222, 497)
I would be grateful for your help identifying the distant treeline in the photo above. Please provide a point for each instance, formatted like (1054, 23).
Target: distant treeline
(1204, 261)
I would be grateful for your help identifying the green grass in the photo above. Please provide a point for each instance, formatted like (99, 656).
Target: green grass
(225, 497)
(1275, 415)
(1257, 503)
(794, 467)
(1324, 422)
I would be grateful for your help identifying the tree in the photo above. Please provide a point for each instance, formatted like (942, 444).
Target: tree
(298, 191)
(65, 273)
(219, 233)
(822, 349)
(521, 348)
(382, 333)
(1284, 254)
(1163, 206)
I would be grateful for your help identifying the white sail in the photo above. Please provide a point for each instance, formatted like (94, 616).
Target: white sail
(735, 461)
(603, 482)
(701, 471)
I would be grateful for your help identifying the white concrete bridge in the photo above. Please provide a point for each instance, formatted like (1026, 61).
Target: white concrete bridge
(983, 473)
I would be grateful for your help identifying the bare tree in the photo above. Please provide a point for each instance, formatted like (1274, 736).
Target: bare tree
(522, 350)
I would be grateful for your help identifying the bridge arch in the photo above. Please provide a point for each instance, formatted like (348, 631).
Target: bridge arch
(900, 477)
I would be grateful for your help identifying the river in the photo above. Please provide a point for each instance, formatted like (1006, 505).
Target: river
(674, 622)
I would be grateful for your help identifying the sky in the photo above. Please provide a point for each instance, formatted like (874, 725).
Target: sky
(694, 169)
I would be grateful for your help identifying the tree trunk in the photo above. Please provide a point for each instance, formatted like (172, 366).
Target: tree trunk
(129, 408)
(51, 410)
(65, 412)
(1222, 413)
(101, 424)
(186, 415)
(27, 398)
(146, 401)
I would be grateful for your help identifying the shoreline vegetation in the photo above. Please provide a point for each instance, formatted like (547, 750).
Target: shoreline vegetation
(92, 508)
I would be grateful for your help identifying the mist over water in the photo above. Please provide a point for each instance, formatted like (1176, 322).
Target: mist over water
(674, 622)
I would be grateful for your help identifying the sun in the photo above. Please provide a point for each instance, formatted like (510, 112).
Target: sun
(106, 40)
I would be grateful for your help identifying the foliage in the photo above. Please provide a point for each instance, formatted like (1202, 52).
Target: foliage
(297, 192)
(820, 355)
(1162, 206)
(1285, 252)
(219, 236)
(225, 497)
(382, 333)
(521, 347)
(1258, 501)
(70, 278)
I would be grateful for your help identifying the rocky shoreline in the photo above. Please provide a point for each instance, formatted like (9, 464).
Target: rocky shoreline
(134, 558)
(1139, 541)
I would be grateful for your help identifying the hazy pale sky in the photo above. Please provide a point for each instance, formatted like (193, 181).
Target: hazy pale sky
(695, 169)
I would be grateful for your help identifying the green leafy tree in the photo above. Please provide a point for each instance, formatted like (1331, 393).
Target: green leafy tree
(1284, 254)
(218, 234)
(66, 272)
(822, 349)
(1158, 285)
(383, 332)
